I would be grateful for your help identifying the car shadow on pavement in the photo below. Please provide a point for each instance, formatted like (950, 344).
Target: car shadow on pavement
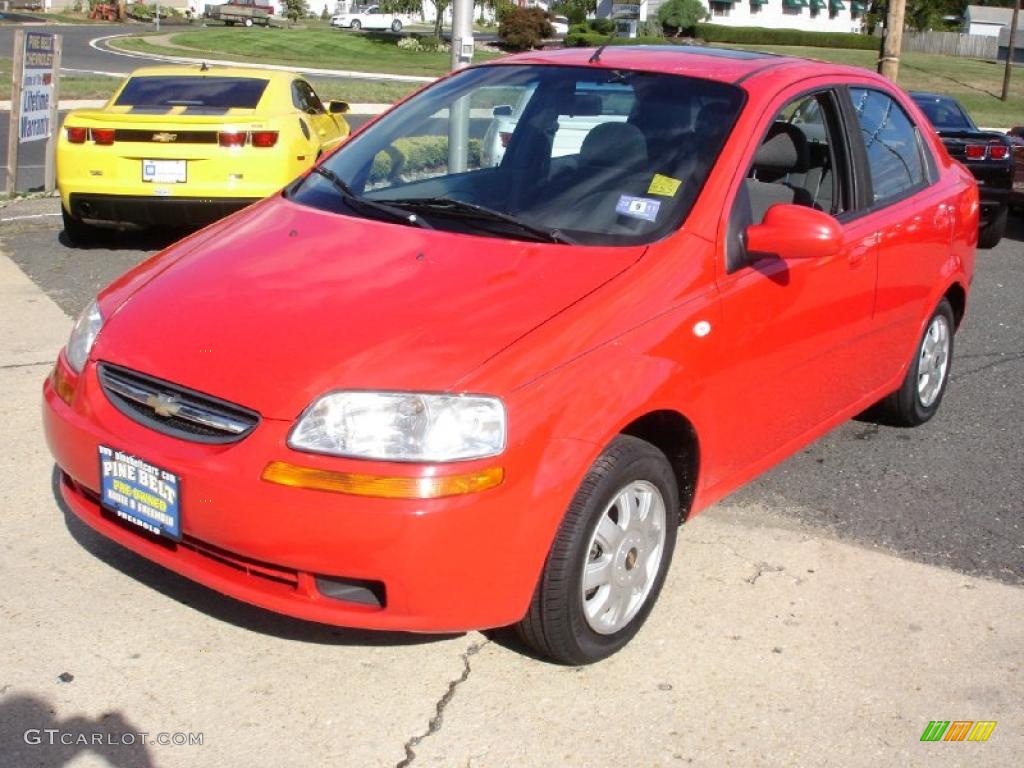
(218, 606)
(1014, 225)
(128, 239)
(32, 734)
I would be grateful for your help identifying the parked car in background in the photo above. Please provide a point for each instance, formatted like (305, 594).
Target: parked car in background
(987, 154)
(489, 395)
(184, 145)
(1016, 135)
(372, 17)
(561, 25)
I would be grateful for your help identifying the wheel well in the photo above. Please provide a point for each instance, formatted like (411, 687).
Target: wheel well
(958, 301)
(674, 435)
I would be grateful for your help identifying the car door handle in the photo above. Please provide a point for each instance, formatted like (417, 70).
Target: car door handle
(859, 251)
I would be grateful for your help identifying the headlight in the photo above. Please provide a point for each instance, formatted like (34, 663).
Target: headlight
(402, 426)
(83, 336)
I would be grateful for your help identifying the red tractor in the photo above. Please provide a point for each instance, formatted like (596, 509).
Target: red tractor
(104, 12)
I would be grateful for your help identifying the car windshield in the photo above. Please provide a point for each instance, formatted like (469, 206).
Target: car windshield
(164, 91)
(944, 114)
(568, 154)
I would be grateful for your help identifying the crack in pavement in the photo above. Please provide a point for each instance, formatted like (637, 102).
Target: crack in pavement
(762, 569)
(24, 365)
(438, 719)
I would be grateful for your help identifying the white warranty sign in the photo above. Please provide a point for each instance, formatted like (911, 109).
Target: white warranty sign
(35, 120)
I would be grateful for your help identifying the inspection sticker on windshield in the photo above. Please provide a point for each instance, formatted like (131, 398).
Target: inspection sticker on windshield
(140, 493)
(638, 207)
(665, 186)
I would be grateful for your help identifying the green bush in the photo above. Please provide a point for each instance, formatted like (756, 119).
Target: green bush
(523, 28)
(419, 154)
(603, 26)
(681, 15)
(716, 33)
(650, 28)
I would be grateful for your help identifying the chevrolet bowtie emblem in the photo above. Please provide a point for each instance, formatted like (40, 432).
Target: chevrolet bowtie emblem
(163, 405)
(166, 138)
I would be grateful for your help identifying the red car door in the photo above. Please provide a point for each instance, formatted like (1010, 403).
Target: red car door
(796, 331)
(914, 217)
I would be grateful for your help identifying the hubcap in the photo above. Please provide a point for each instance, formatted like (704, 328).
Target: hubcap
(933, 363)
(624, 556)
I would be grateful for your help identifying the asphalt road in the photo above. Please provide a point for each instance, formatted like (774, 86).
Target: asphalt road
(950, 493)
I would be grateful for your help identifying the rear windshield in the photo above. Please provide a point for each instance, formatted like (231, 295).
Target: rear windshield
(944, 114)
(178, 91)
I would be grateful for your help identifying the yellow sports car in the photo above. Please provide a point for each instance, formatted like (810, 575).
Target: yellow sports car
(186, 145)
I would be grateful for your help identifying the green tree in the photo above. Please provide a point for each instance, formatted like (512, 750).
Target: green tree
(296, 9)
(576, 11)
(681, 15)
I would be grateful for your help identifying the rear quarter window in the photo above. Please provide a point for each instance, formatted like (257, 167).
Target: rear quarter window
(206, 92)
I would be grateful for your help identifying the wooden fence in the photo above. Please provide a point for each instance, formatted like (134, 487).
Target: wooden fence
(951, 44)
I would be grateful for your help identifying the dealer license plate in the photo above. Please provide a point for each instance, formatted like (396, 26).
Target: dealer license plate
(164, 171)
(139, 492)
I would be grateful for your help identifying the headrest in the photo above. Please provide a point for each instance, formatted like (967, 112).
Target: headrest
(784, 150)
(611, 144)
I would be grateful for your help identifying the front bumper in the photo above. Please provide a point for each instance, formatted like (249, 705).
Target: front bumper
(451, 564)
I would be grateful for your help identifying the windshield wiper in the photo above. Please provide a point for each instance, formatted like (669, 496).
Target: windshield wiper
(355, 201)
(461, 209)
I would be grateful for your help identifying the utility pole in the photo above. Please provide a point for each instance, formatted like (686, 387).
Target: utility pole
(892, 43)
(462, 56)
(1010, 52)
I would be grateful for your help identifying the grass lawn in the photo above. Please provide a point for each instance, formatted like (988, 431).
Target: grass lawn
(974, 83)
(328, 48)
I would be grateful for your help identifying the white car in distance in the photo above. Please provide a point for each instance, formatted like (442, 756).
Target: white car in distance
(371, 17)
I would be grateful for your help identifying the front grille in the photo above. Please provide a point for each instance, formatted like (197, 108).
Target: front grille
(175, 410)
(165, 137)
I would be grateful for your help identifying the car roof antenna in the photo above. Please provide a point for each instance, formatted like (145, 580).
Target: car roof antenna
(596, 58)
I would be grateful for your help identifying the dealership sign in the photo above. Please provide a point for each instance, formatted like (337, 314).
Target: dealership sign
(35, 120)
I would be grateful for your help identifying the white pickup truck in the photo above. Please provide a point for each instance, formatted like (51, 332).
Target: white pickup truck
(371, 18)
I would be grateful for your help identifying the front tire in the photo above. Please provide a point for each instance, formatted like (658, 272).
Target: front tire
(920, 395)
(993, 232)
(356, 25)
(609, 559)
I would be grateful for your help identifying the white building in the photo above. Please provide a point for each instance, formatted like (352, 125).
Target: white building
(810, 15)
(986, 20)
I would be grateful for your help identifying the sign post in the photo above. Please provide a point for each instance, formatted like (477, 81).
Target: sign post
(34, 100)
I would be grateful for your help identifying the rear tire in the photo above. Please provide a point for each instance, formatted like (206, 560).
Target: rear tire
(619, 534)
(993, 232)
(396, 26)
(920, 395)
(248, 22)
(77, 232)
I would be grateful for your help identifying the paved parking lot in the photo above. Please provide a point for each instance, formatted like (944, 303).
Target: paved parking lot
(822, 616)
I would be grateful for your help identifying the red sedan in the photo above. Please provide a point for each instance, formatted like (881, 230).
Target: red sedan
(416, 391)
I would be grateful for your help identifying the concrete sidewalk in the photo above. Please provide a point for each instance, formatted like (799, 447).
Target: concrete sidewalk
(772, 645)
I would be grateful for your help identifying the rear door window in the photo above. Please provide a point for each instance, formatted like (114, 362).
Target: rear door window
(892, 143)
(203, 92)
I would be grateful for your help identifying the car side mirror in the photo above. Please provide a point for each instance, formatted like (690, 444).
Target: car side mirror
(337, 107)
(502, 110)
(795, 232)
